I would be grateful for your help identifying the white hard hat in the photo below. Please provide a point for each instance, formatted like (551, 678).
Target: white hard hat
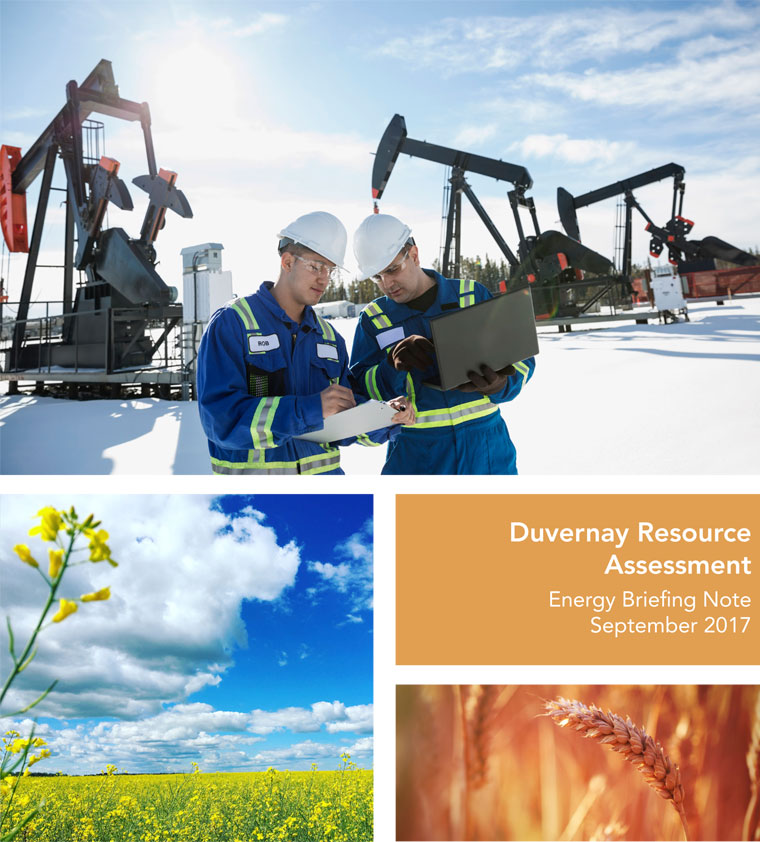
(321, 232)
(377, 241)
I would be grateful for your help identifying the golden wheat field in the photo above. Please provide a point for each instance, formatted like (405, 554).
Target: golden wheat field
(235, 807)
(482, 762)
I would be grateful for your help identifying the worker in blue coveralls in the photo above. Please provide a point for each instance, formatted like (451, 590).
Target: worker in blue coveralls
(270, 369)
(459, 431)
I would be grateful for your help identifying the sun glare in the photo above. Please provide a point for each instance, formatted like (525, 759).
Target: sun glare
(192, 84)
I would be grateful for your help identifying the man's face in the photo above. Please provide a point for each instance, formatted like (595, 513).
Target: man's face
(307, 276)
(403, 280)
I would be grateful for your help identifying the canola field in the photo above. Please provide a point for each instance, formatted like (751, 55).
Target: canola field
(230, 807)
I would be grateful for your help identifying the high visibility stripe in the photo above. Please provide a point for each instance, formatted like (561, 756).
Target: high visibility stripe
(261, 423)
(243, 309)
(379, 319)
(370, 381)
(410, 395)
(466, 293)
(366, 441)
(243, 315)
(317, 464)
(268, 437)
(326, 328)
(464, 412)
(523, 369)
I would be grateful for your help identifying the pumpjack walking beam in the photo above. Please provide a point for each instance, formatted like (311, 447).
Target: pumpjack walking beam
(395, 141)
(120, 272)
(541, 257)
(673, 234)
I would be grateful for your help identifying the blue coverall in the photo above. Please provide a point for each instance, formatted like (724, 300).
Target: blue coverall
(456, 432)
(259, 378)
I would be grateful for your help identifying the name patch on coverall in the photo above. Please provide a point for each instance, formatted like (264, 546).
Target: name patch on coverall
(327, 352)
(388, 337)
(256, 344)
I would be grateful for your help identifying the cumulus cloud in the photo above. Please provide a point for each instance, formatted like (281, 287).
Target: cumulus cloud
(173, 621)
(351, 571)
(218, 740)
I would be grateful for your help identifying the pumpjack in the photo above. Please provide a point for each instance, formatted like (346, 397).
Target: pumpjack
(688, 255)
(106, 321)
(549, 261)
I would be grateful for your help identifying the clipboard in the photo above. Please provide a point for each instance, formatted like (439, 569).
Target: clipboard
(368, 416)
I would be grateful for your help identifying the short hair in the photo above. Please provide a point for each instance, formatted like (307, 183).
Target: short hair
(289, 246)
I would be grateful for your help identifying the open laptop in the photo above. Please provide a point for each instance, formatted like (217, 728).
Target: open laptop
(496, 332)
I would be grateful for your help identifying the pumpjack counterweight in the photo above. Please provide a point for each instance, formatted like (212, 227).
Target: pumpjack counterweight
(123, 302)
(541, 260)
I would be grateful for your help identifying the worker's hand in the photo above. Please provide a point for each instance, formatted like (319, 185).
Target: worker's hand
(488, 382)
(412, 352)
(336, 399)
(405, 414)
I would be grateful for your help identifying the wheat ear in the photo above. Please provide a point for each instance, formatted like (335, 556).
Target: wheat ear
(632, 742)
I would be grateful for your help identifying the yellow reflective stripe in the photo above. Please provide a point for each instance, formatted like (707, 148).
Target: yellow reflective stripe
(317, 464)
(466, 293)
(464, 412)
(370, 381)
(261, 423)
(410, 393)
(366, 441)
(326, 328)
(268, 437)
(379, 319)
(255, 423)
(244, 315)
(523, 369)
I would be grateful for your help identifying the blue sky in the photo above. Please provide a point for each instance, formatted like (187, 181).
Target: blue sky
(268, 110)
(238, 635)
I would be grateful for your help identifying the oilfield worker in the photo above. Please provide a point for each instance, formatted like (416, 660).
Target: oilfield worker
(270, 369)
(458, 431)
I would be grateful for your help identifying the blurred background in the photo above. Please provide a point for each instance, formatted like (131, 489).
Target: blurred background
(481, 762)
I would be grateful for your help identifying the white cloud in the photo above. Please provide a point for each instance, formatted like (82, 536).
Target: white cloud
(573, 150)
(216, 739)
(474, 135)
(173, 620)
(264, 22)
(351, 573)
(493, 43)
(727, 80)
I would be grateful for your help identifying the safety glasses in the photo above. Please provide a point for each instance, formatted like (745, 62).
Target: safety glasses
(318, 268)
(392, 270)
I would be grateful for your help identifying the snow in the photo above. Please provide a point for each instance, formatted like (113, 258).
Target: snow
(615, 400)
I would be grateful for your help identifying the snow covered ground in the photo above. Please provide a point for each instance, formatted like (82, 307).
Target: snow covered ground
(624, 399)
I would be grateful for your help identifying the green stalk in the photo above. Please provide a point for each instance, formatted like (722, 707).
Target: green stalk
(51, 598)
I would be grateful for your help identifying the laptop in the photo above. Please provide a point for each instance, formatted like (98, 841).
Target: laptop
(496, 332)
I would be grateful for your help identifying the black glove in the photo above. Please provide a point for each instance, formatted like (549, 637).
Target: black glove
(412, 352)
(488, 382)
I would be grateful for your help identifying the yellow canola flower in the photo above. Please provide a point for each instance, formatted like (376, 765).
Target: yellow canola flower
(103, 593)
(25, 554)
(56, 562)
(67, 607)
(50, 524)
(6, 785)
(99, 550)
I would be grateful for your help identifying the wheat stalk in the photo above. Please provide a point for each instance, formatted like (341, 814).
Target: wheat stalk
(622, 736)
